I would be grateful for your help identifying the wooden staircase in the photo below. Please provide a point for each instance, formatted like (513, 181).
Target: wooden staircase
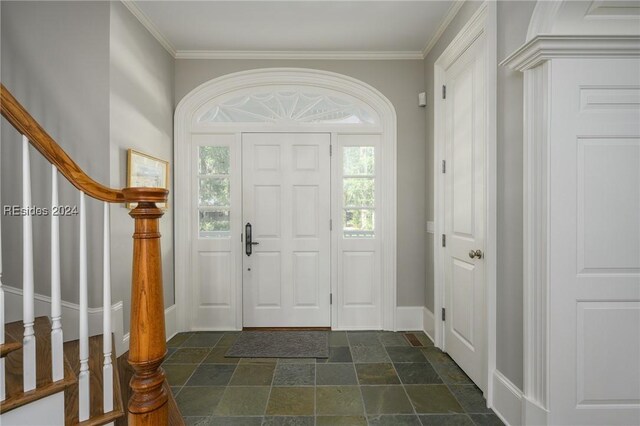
(97, 415)
(44, 385)
(11, 351)
(32, 351)
(16, 397)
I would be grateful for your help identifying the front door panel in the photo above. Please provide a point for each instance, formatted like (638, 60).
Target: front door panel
(286, 202)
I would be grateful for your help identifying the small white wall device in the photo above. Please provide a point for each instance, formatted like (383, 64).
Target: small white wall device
(422, 99)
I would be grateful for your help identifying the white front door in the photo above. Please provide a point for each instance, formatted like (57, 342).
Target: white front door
(286, 219)
(464, 221)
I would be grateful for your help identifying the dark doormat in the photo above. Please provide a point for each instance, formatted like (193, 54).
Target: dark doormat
(280, 344)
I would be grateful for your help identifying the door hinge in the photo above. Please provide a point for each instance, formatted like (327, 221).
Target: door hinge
(241, 237)
(444, 92)
(443, 314)
(330, 150)
(444, 166)
(330, 224)
(331, 298)
(444, 240)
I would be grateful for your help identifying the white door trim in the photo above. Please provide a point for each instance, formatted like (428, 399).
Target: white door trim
(482, 22)
(317, 79)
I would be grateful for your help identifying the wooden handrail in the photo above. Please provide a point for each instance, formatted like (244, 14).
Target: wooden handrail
(40, 139)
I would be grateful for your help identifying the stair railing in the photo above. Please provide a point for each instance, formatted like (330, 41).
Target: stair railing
(148, 404)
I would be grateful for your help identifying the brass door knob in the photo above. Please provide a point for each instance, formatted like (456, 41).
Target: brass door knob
(473, 254)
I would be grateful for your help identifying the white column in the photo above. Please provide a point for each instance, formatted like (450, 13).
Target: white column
(107, 368)
(57, 350)
(83, 378)
(29, 339)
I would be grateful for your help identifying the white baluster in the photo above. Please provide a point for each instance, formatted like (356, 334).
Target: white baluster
(29, 339)
(107, 367)
(83, 378)
(57, 350)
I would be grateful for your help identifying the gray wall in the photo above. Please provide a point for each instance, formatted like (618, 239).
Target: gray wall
(463, 15)
(99, 83)
(400, 82)
(55, 61)
(141, 117)
(513, 21)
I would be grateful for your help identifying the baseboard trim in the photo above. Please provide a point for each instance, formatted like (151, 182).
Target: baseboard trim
(429, 323)
(170, 322)
(70, 315)
(507, 400)
(532, 413)
(409, 318)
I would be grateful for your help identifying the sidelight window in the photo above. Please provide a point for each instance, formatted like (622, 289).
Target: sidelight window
(214, 204)
(358, 189)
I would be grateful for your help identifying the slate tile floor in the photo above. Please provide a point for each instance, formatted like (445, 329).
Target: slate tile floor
(370, 378)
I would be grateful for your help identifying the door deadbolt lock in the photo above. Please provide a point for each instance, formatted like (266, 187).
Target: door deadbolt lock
(248, 245)
(473, 254)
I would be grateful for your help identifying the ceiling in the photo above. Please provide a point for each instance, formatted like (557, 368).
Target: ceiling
(295, 29)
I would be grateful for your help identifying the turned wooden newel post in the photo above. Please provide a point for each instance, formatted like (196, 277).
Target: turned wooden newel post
(147, 344)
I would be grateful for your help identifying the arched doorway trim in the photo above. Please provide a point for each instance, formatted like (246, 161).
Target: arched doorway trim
(267, 100)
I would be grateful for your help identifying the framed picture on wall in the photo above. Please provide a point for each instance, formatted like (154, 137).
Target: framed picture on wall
(146, 171)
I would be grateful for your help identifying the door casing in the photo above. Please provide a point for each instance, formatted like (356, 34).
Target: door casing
(186, 125)
(483, 22)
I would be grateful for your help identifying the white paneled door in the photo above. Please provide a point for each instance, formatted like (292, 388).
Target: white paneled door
(464, 222)
(287, 238)
(594, 236)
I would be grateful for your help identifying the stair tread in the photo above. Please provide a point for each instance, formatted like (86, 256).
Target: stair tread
(15, 396)
(96, 415)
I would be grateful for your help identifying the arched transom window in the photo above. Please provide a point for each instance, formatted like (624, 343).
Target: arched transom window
(289, 105)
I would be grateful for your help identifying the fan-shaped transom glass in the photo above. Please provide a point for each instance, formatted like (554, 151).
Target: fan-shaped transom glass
(289, 106)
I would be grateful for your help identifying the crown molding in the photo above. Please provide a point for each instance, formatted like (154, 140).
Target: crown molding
(326, 55)
(545, 47)
(451, 13)
(150, 26)
(474, 28)
(285, 54)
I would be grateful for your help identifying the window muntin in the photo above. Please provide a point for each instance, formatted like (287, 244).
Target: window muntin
(214, 188)
(358, 189)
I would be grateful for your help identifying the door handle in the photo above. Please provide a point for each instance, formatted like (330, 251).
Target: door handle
(248, 245)
(475, 254)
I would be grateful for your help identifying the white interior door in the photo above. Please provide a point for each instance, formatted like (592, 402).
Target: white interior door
(464, 221)
(287, 202)
(594, 238)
